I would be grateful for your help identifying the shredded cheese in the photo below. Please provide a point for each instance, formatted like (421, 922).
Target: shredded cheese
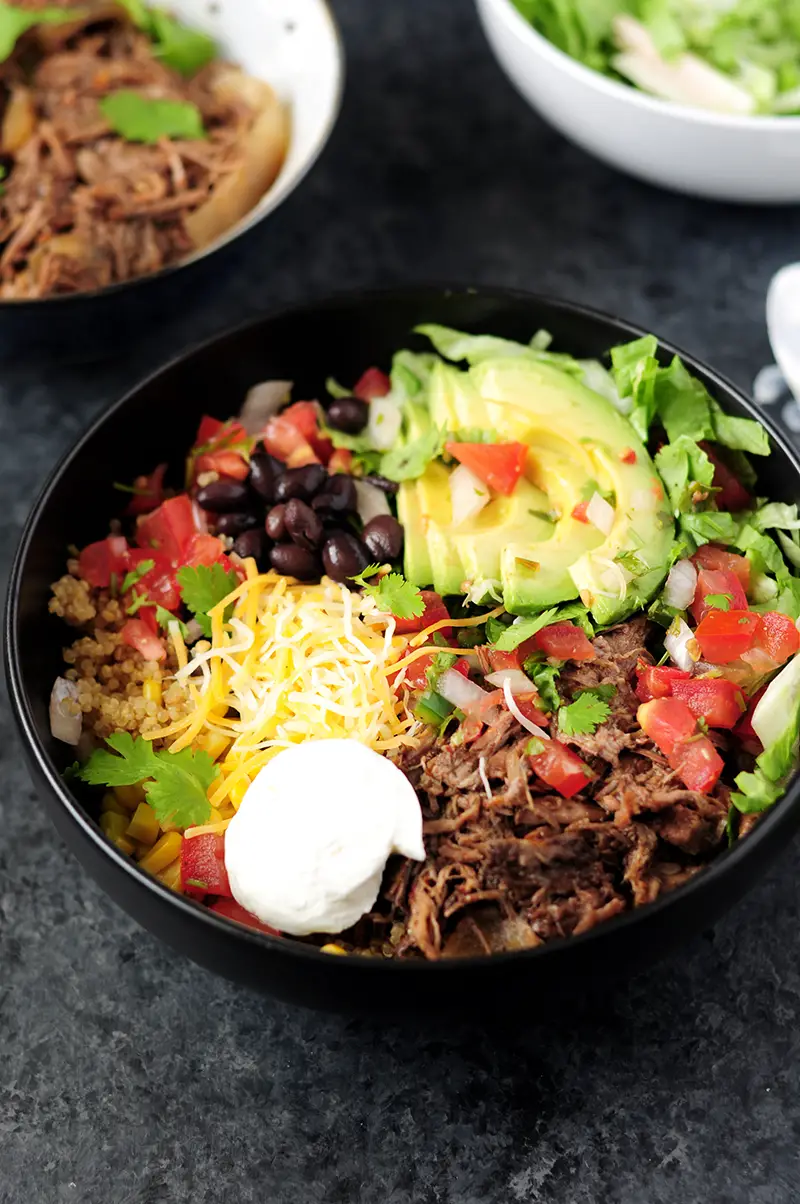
(294, 662)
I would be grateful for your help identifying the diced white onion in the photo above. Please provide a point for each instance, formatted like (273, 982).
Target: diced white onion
(459, 690)
(484, 778)
(677, 641)
(193, 632)
(371, 501)
(519, 683)
(614, 578)
(600, 513)
(681, 585)
(199, 517)
(262, 402)
(65, 714)
(518, 715)
(468, 494)
(383, 426)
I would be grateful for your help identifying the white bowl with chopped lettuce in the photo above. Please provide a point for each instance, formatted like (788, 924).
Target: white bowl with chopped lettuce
(700, 96)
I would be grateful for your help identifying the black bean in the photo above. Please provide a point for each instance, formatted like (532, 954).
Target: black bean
(236, 522)
(292, 561)
(302, 525)
(275, 525)
(348, 414)
(338, 495)
(383, 536)
(223, 495)
(253, 543)
(344, 556)
(300, 482)
(381, 483)
(264, 471)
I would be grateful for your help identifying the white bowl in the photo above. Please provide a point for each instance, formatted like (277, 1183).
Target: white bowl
(294, 46)
(725, 158)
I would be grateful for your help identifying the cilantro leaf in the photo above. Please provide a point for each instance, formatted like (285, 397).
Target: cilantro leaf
(605, 690)
(720, 601)
(185, 50)
(392, 593)
(544, 677)
(441, 662)
(523, 629)
(139, 600)
(176, 784)
(203, 587)
(410, 460)
(14, 22)
(130, 579)
(145, 119)
(583, 715)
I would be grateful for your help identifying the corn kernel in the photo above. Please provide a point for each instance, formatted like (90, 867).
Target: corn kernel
(113, 825)
(152, 690)
(171, 876)
(144, 825)
(163, 853)
(129, 796)
(111, 803)
(214, 743)
(124, 845)
(337, 949)
(238, 791)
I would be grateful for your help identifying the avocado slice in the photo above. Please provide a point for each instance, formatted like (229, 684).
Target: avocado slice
(577, 438)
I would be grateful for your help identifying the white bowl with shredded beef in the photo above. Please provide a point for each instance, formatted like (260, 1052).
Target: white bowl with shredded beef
(237, 101)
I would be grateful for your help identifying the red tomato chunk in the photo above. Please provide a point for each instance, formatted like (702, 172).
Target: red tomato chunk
(558, 767)
(564, 641)
(778, 636)
(138, 634)
(732, 494)
(655, 681)
(709, 556)
(373, 383)
(667, 722)
(203, 866)
(699, 764)
(724, 635)
(435, 610)
(498, 465)
(234, 911)
(714, 699)
(717, 583)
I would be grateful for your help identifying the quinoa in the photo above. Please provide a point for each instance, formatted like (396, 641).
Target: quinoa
(109, 674)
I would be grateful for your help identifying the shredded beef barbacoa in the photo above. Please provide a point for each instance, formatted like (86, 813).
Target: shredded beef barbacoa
(528, 865)
(81, 208)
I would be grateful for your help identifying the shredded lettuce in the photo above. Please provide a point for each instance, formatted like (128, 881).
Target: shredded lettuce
(456, 345)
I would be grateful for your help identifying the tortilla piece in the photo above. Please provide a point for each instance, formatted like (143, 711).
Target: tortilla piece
(264, 150)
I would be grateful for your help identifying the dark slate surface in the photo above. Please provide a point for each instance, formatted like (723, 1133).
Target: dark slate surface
(128, 1075)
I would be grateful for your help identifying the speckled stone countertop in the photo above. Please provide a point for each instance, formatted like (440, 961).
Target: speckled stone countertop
(129, 1076)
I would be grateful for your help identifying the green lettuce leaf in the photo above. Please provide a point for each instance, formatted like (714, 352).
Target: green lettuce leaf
(683, 467)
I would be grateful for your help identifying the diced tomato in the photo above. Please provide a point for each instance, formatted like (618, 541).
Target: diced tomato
(498, 465)
(698, 763)
(724, 635)
(169, 529)
(462, 666)
(149, 492)
(205, 549)
(656, 681)
(744, 728)
(341, 461)
(559, 767)
(208, 430)
(99, 561)
(211, 431)
(304, 415)
(492, 660)
(709, 556)
(435, 611)
(564, 641)
(714, 699)
(203, 866)
(732, 494)
(579, 512)
(778, 636)
(667, 721)
(528, 704)
(224, 463)
(283, 440)
(416, 677)
(373, 383)
(717, 583)
(627, 455)
(158, 583)
(139, 635)
(234, 911)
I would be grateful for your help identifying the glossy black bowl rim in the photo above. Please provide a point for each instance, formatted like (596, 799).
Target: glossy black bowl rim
(723, 865)
(46, 305)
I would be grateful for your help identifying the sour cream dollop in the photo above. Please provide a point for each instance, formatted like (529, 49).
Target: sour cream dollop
(307, 848)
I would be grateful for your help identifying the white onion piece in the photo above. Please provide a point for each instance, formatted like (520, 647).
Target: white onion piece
(198, 514)
(371, 501)
(518, 715)
(676, 642)
(383, 425)
(459, 690)
(681, 585)
(520, 684)
(600, 513)
(468, 495)
(262, 402)
(484, 777)
(193, 632)
(66, 719)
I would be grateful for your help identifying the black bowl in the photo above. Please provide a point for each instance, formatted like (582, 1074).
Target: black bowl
(156, 421)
